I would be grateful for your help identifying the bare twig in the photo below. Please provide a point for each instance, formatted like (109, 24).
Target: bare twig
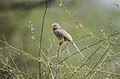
(85, 62)
(98, 61)
(116, 33)
(41, 34)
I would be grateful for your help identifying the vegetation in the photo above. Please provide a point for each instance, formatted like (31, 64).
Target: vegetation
(29, 50)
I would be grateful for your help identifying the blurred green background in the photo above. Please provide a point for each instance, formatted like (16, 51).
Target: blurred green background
(94, 15)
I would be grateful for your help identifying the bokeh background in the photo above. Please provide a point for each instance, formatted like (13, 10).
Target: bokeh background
(21, 21)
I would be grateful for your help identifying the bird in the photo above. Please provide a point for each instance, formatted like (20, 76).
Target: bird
(64, 36)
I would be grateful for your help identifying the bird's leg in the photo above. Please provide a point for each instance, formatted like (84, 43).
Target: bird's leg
(61, 42)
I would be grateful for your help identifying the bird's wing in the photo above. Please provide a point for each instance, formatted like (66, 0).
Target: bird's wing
(62, 34)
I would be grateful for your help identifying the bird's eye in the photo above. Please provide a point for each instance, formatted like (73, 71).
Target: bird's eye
(54, 25)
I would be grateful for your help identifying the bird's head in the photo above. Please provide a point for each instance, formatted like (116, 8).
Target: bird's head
(55, 26)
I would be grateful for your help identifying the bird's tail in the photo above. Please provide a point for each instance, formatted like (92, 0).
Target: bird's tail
(78, 49)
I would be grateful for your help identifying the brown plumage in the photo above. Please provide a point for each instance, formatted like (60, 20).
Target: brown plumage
(63, 36)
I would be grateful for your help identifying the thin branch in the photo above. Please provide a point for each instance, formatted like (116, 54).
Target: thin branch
(86, 61)
(13, 70)
(41, 35)
(98, 61)
(23, 5)
(90, 46)
(21, 51)
(101, 64)
(57, 63)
